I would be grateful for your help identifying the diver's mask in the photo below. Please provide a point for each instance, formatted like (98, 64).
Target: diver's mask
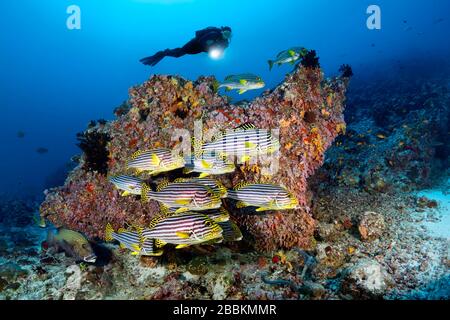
(226, 33)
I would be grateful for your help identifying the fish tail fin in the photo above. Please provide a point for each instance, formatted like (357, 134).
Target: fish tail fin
(50, 236)
(270, 64)
(145, 190)
(109, 232)
(197, 145)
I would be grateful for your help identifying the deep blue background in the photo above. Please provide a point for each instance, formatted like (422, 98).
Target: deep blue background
(54, 80)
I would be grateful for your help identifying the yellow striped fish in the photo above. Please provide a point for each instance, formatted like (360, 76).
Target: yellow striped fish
(264, 196)
(230, 232)
(217, 215)
(242, 82)
(128, 184)
(288, 56)
(155, 161)
(243, 142)
(132, 240)
(215, 185)
(183, 195)
(183, 229)
(208, 165)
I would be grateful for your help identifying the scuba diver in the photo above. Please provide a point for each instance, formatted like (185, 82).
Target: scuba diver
(212, 40)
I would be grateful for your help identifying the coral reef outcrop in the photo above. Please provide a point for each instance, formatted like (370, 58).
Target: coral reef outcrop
(306, 108)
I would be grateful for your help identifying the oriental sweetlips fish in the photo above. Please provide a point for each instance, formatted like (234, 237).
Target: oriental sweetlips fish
(242, 82)
(132, 240)
(72, 243)
(288, 56)
(217, 215)
(208, 165)
(155, 161)
(244, 142)
(264, 196)
(215, 185)
(128, 184)
(183, 195)
(183, 229)
(230, 232)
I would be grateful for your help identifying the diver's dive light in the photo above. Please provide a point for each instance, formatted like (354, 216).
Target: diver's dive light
(215, 53)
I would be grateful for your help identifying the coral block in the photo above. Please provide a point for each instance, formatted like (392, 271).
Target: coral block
(306, 108)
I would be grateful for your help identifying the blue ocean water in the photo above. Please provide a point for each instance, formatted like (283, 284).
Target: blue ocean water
(55, 80)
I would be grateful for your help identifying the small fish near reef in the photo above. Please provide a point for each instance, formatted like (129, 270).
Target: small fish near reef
(182, 195)
(264, 196)
(128, 184)
(215, 185)
(155, 161)
(40, 221)
(242, 82)
(42, 150)
(72, 243)
(184, 229)
(133, 241)
(208, 165)
(288, 56)
(243, 142)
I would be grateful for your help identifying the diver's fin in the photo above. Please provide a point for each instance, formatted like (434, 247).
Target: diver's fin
(154, 59)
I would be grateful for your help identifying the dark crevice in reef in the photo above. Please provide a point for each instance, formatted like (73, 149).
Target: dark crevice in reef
(311, 60)
(93, 143)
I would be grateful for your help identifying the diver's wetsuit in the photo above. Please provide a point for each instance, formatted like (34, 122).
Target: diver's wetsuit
(205, 39)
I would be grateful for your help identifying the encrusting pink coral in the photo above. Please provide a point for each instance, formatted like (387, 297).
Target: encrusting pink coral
(306, 108)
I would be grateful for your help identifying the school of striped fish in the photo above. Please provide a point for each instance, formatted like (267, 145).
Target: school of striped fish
(191, 208)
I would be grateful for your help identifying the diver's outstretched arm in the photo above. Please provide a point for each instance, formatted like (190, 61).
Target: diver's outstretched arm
(157, 57)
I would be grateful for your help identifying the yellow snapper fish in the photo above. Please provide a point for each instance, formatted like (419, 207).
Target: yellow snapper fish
(288, 56)
(186, 196)
(264, 196)
(208, 165)
(244, 142)
(128, 184)
(215, 185)
(242, 82)
(133, 241)
(72, 243)
(183, 229)
(155, 161)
